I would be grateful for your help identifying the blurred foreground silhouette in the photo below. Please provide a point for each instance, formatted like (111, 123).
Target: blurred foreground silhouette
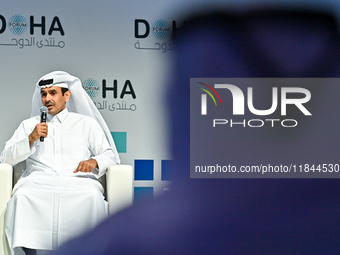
(241, 216)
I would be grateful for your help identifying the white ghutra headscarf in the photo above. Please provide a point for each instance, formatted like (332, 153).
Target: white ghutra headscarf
(79, 102)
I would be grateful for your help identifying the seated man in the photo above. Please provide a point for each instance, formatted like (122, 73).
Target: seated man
(58, 195)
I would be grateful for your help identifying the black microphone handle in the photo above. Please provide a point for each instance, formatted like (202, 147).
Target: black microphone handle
(43, 119)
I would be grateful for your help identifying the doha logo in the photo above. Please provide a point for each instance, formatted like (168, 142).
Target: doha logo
(17, 24)
(116, 90)
(91, 86)
(154, 36)
(111, 97)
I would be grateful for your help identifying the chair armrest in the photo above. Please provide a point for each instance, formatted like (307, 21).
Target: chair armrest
(6, 172)
(119, 186)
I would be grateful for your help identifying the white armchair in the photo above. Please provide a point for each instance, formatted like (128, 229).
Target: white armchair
(119, 192)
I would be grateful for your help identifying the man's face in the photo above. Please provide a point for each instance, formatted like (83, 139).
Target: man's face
(54, 100)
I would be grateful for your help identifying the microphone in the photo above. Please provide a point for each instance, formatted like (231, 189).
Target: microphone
(43, 111)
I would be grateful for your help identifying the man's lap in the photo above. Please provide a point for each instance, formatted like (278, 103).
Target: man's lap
(58, 183)
(44, 205)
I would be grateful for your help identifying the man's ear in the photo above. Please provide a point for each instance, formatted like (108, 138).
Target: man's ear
(67, 95)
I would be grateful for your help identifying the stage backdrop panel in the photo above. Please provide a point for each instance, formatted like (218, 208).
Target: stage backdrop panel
(119, 50)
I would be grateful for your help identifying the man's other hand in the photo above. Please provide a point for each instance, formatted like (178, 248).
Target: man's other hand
(86, 166)
(40, 130)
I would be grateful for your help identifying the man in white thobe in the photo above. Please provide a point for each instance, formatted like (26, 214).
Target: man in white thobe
(59, 195)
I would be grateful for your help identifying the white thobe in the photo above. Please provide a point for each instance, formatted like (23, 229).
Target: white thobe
(50, 204)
